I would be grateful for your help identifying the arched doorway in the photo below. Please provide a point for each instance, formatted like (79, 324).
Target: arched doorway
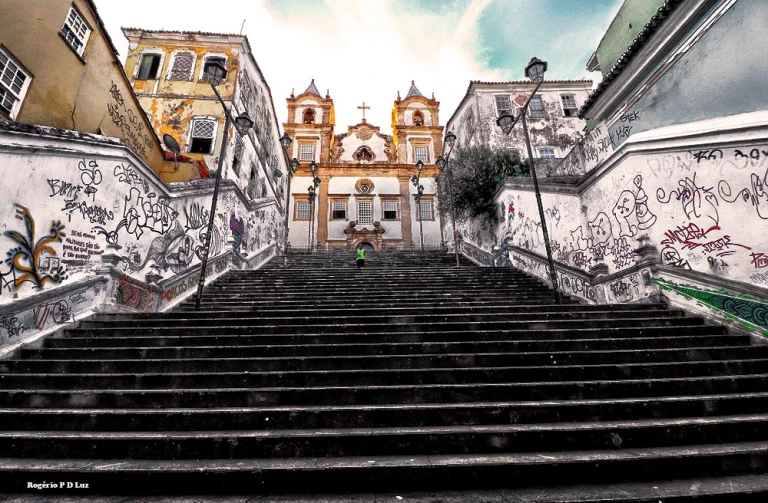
(368, 247)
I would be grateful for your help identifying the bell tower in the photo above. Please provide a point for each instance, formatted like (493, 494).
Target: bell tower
(310, 124)
(415, 124)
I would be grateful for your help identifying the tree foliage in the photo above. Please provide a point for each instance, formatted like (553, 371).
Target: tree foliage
(476, 173)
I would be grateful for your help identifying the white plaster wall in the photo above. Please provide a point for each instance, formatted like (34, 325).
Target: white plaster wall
(298, 229)
(77, 202)
(432, 230)
(697, 190)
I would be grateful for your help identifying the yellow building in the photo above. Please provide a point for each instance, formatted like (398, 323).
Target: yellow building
(365, 196)
(167, 71)
(59, 68)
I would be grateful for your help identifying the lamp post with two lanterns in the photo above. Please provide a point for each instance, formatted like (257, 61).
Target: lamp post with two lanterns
(312, 192)
(535, 72)
(285, 142)
(416, 181)
(216, 73)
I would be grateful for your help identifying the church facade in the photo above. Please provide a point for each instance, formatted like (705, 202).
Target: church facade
(366, 195)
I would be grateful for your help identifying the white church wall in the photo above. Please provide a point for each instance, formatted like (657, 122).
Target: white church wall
(351, 143)
(408, 116)
(298, 117)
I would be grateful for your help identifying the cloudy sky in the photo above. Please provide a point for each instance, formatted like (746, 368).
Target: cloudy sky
(368, 50)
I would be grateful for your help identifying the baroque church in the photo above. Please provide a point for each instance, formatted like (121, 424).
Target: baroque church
(366, 195)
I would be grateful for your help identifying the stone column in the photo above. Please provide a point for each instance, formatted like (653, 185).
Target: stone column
(322, 210)
(405, 207)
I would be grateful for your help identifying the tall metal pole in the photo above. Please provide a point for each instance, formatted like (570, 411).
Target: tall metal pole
(287, 213)
(453, 209)
(421, 226)
(207, 248)
(552, 271)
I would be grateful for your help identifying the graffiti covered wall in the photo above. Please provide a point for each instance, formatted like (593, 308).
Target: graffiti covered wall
(72, 208)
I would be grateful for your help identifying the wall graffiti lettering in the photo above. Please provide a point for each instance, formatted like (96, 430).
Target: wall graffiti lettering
(696, 200)
(759, 260)
(12, 326)
(129, 123)
(58, 311)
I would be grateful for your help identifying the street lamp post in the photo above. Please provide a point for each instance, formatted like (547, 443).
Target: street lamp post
(415, 180)
(534, 71)
(285, 142)
(442, 164)
(312, 190)
(216, 74)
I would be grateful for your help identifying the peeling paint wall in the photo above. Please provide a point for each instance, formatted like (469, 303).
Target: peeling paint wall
(254, 162)
(86, 93)
(81, 207)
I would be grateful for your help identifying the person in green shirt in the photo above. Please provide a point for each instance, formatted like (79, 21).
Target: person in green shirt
(360, 256)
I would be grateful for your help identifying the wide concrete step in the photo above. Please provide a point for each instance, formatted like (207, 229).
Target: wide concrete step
(393, 325)
(380, 377)
(388, 473)
(348, 395)
(379, 416)
(571, 311)
(399, 441)
(376, 343)
(414, 361)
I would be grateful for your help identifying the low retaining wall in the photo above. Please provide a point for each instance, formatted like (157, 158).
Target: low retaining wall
(87, 227)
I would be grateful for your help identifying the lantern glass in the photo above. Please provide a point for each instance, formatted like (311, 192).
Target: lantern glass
(506, 122)
(294, 165)
(450, 139)
(440, 163)
(535, 70)
(215, 72)
(420, 165)
(285, 141)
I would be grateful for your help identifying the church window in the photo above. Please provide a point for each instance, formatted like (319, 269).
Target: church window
(569, 105)
(212, 60)
(309, 116)
(420, 154)
(75, 31)
(425, 210)
(365, 212)
(306, 152)
(150, 64)
(503, 104)
(536, 107)
(183, 64)
(389, 210)
(14, 82)
(338, 210)
(201, 139)
(302, 210)
(418, 118)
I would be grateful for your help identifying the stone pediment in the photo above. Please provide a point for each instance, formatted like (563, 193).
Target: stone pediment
(363, 143)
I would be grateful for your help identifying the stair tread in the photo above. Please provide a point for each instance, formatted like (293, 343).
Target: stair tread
(370, 462)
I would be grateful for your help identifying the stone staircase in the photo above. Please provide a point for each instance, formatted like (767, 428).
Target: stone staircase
(311, 376)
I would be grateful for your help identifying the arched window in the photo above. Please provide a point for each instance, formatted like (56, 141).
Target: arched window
(364, 154)
(309, 116)
(418, 118)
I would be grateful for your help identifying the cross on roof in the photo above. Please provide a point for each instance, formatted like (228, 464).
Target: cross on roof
(363, 108)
